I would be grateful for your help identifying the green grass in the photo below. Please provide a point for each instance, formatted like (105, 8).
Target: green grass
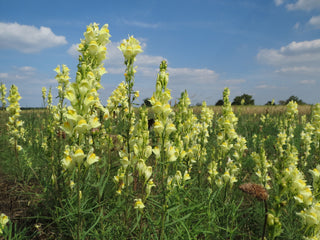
(194, 211)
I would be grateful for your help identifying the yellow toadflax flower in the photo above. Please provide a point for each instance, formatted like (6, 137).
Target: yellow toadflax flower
(138, 204)
(91, 159)
(130, 48)
(3, 221)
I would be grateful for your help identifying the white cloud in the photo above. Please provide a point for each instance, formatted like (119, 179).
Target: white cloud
(235, 81)
(304, 5)
(140, 24)
(144, 59)
(293, 53)
(297, 48)
(26, 69)
(278, 2)
(296, 26)
(73, 51)
(315, 21)
(28, 39)
(265, 86)
(191, 75)
(308, 82)
(3, 76)
(299, 70)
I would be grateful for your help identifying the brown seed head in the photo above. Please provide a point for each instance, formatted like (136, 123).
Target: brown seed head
(256, 190)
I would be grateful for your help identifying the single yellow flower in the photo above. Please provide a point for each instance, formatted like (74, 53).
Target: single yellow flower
(138, 204)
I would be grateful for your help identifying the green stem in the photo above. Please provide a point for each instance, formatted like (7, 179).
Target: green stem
(79, 202)
(265, 219)
(164, 184)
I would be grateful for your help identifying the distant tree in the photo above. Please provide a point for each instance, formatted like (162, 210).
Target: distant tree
(292, 98)
(270, 103)
(244, 98)
(219, 102)
(199, 104)
(146, 102)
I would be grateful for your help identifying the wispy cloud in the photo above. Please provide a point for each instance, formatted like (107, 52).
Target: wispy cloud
(140, 24)
(308, 82)
(299, 70)
(3, 76)
(278, 2)
(306, 5)
(28, 39)
(265, 86)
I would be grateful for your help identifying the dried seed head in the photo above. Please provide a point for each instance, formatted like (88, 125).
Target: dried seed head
(256, 190)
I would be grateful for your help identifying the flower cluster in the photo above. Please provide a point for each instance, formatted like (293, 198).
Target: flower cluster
(306, 138)
(206, 117)
(118, 101)
(136, 149)
(315, 122)
(15, 125)
(231, 145)
(44, 95)
(82, 116)
(186, 135)
(294, 180)
(130, 48)
(3, 93)
(262, 165)
(165, 150)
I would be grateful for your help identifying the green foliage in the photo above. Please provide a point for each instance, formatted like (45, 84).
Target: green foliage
(292, 98)
(244, 99)
(219, 102)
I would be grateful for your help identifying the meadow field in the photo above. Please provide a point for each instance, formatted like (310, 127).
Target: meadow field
(83, 169)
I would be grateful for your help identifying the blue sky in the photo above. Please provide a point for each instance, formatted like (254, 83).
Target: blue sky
(269, 49)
